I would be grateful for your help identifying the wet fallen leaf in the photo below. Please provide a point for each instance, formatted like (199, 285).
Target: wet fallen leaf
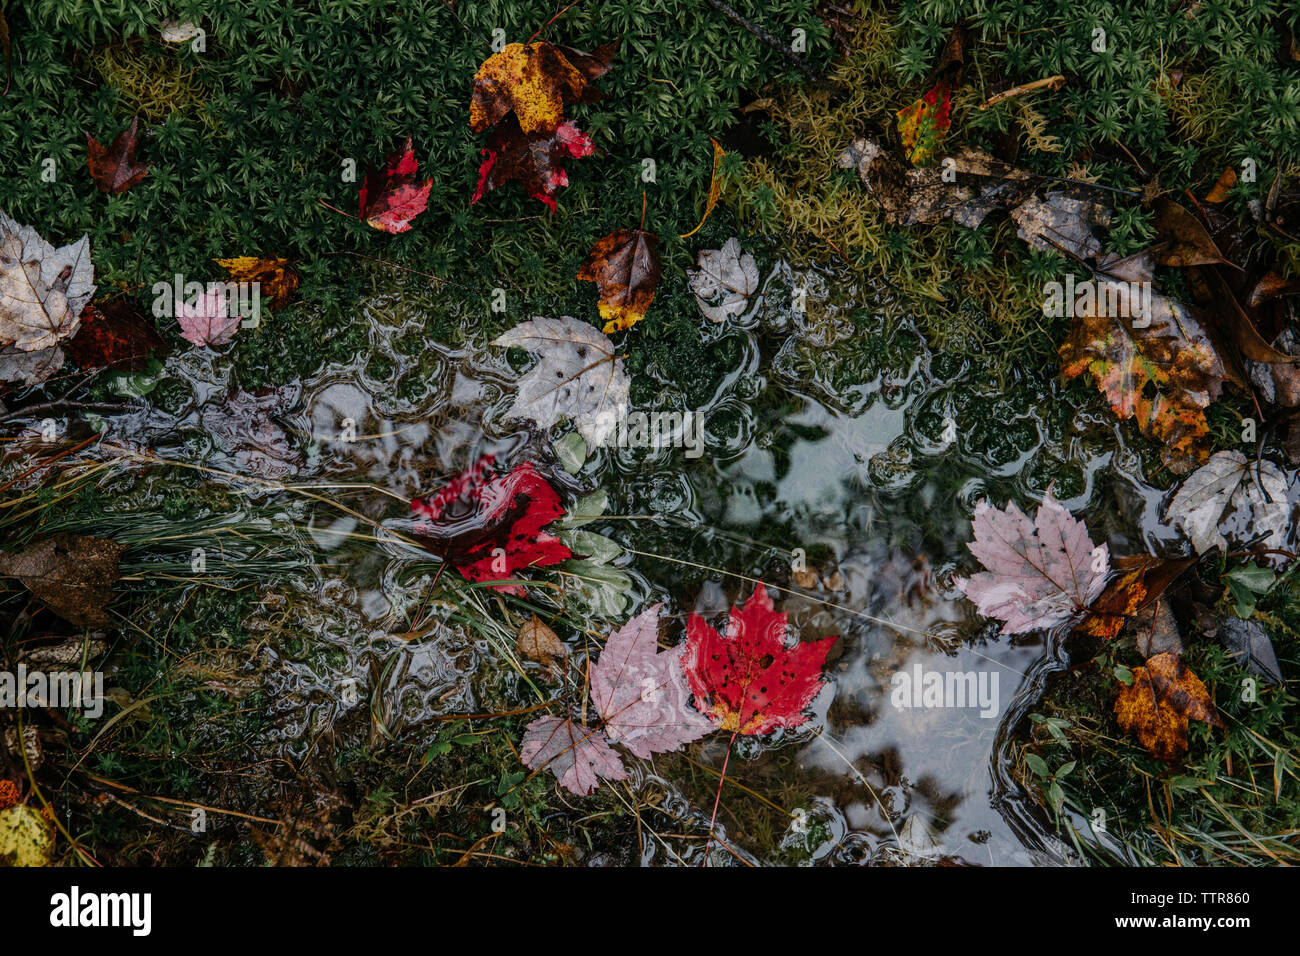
(1182, 240)
(26, 837)
(30, 368)
(724, 282)
(923, 124)
(489, 527)
(1038, 574)
(578, 756)
(641, 692)
(1155, 631)
(115, 169)
(1270, 286)
(1141, 580)
(535, 81)
(1160, 369)
(1248, 498)
(749, 681)
(72, 574)
(1164, 696)
(539, 643)
(114, 335)
(276, 280)
(245, 427)
(625, 267)
(535, 161)
(208, 319)
(42, 289)
(579, 376)
(391, 198)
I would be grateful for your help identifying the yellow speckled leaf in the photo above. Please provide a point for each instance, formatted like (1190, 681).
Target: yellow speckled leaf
(25, 837)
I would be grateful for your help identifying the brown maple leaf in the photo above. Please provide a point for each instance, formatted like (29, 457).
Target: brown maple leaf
(114, 169)
(73, 574)
(1164, 696)
(1143, 578)
(625, 267)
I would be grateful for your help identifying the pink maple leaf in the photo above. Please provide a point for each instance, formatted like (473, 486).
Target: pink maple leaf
(1040, 573)
(577, 755)
(209, 321)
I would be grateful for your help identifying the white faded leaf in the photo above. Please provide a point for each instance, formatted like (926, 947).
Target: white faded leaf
(175, 31)
(1039, 573)
(641, 692)
(1228, 492)
(724, 281)
(578, 376)
(577, 755)
(30, 368)
(42, 289)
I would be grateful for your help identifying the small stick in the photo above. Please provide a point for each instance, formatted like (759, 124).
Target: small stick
(1055, 82)
(789, 55)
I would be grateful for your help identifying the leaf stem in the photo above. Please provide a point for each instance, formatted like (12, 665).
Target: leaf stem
(718, 797)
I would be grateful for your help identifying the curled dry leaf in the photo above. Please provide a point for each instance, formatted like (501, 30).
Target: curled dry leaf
(1040, 573)
(114, 169)
(72, 574)
(579, 376)
(625, 267)
(1247, 499)
(1164, 696)
(42, 289)
(724, 282)
(539, 643)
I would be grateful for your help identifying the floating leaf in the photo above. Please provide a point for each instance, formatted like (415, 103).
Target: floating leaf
(749, 681)
(724, 281)
(539, 643)
(1141, 580)
(1040, 573)
(209, 319)
(579, 376)
(577, 755)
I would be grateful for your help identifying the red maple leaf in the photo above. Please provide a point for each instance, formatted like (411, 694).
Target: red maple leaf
(392, 198)
(750, 682)
(114, 167)
(490, 527)
(534, 160)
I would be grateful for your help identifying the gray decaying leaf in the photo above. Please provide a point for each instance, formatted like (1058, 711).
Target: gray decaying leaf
(577, 755)
(641, 692)
(73, 574)
(30, 368)
(1228, 493)
(1061, 222)
(1248, 642)
(976, 184)
(42, 289)
(1039, 573)
(724, 282)
(578, 376)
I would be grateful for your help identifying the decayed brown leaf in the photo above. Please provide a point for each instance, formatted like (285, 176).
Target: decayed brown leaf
(1164, 696)
(625, 267)
(73, 574)
(114, 169)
